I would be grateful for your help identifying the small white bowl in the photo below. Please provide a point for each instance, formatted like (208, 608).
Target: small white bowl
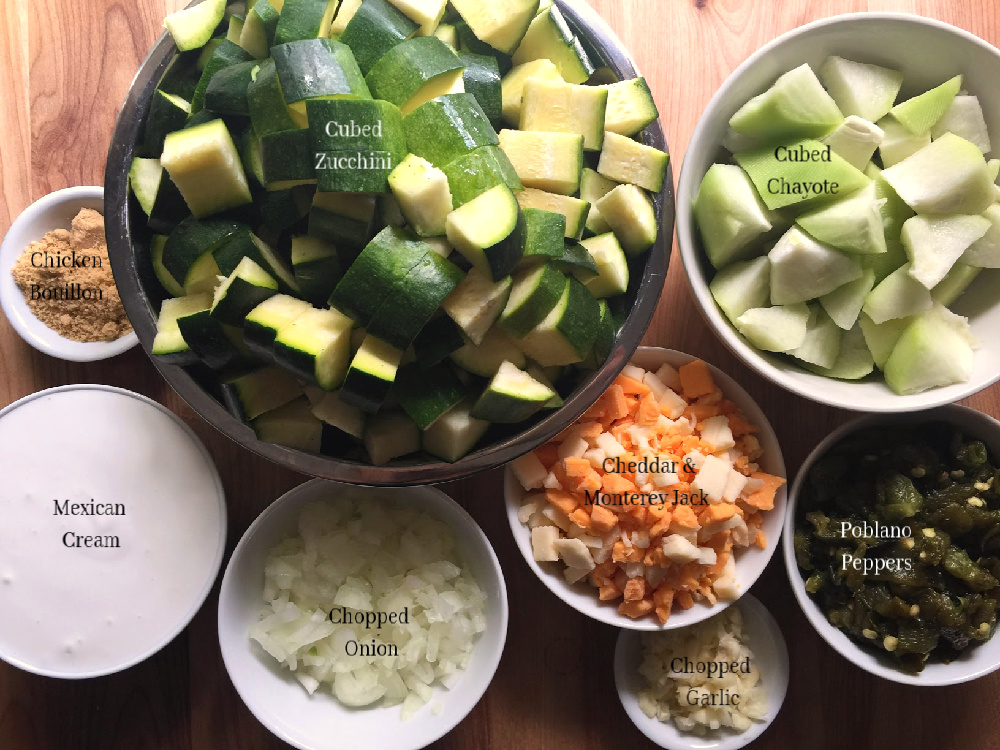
(927, 52)
(770, 656)
(54, 211)
(320, 722)
(750, 562)
(976, 661)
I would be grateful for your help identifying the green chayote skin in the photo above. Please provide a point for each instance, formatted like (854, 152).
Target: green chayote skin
(941, 595)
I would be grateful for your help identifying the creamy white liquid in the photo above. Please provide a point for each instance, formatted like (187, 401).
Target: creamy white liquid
(77, 611)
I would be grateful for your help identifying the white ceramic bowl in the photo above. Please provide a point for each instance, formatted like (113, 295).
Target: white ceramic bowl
(320, 722)
(770, 656)
(927, 52)
(54, 211)
(750, 562)
(121, 606)
(976, 661)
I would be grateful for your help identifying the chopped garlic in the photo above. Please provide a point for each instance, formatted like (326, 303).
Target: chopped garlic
(676, 695)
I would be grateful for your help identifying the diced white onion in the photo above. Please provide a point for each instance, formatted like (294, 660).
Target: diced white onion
(370, 556)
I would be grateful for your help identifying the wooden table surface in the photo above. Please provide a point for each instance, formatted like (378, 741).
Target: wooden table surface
(65, 66)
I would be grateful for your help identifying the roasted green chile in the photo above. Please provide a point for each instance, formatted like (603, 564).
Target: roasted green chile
(897, 536)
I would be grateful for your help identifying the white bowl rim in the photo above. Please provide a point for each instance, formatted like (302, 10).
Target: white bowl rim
(684, 223)
(220, 545)
(28, 327)
(479, 538)
(836, 639)
(753, 612)
(607, 612)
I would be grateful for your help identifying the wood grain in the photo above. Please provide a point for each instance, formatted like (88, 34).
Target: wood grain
(64, 70)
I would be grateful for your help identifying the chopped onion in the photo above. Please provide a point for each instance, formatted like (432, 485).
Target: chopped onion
(370, 556)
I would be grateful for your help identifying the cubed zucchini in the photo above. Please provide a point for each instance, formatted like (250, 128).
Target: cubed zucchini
(455, 433)
(626, 160)
(371, 374)
(245, 288)
(476, 303)
(445, 128)
(575, 210)
(316, 347)
(550, 37)
(169, 344)
(545, 161)
(471, 175)
(512, 396)
(558, 107)
(489, 231)
(250, 394)
(204, 165)
(534, 293)
(567, 333)
(630, 214)
(416, 71)
(261, 325)
(423, 194)
(630, 107)
(500, 26)
(512, 86)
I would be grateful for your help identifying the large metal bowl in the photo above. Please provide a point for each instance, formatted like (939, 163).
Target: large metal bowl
(128, 246)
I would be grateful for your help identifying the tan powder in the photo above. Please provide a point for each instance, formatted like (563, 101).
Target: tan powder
(67, 282)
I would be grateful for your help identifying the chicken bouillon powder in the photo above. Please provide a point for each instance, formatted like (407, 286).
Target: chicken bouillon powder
(66, 280)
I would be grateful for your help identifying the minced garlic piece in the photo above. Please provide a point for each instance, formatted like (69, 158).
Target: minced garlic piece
(703, 677)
